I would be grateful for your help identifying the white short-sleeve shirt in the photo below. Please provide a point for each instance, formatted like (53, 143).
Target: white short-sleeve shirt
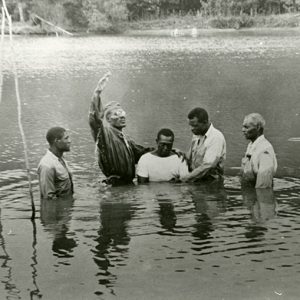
(161, 168)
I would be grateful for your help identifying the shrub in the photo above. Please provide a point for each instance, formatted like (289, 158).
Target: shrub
(236, 22)
(74, 13)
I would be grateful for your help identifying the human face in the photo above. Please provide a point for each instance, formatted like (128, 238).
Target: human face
(164, 145)
(197, 127)
(118, 118)
(63, 144)
(250, 130)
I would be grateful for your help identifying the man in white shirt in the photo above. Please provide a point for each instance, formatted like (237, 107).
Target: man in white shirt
(55, 178)
(259, 163)
(207, 153)
(161, 164)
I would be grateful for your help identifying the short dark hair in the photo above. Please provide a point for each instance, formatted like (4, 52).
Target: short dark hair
(165, 132)
(54, 133)
(200, 113)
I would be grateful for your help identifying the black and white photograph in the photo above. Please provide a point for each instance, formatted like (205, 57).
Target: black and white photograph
(150, 149)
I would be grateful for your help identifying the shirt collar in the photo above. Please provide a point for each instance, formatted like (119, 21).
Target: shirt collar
(206, 135)
(53, 156)
(117, 131)
(253, 145)
(210, 130)
(257, 141)
(121, 135)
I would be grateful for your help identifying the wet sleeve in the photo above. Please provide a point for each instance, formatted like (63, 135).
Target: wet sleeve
(138, 150)
(142, 168)
(96, 114)
(47, 185)
(211, 158)
(183, 169)
(188, 156)
(265, 172)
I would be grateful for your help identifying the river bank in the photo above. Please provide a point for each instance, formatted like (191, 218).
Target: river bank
(177, 25)
(194, 32)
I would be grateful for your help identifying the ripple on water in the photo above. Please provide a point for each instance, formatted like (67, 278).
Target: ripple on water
(109, 241)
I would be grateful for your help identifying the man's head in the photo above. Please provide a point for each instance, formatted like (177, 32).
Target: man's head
(253, 126)
(165, 139)
(59, 139)
(198, 120)
(115, 115)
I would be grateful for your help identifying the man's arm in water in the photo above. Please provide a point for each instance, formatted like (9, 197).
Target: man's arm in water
(142, 171)
(142, 180)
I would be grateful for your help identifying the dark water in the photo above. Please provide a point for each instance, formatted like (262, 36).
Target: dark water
(160, 241)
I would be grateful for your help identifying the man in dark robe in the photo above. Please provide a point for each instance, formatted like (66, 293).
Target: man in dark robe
(117, 153)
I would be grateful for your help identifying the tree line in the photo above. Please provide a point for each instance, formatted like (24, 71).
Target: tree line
(102, 15)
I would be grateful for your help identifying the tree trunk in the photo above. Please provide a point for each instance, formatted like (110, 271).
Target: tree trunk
(21, 12)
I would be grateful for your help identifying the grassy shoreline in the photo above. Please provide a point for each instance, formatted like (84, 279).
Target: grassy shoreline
(181, 25)
(209, 31)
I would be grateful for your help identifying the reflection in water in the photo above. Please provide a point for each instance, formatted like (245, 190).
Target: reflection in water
(55, 216)
(161, 194)
(36, 292)
(167, 215)
(262, 205)
(12, 291)
(258, 68)
(209, 201)
(113, 239)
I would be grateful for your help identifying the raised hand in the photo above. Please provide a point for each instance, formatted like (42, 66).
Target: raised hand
(96, 109)
(102, 82)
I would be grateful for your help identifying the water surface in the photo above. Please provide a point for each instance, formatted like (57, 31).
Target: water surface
(158, 241)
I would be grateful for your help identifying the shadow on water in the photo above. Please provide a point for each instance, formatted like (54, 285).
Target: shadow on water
(113, 239)
(55, 217)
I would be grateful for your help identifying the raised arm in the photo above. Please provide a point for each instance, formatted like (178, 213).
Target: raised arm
(96, 108)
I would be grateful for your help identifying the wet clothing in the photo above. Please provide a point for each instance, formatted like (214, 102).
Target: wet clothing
(117, 153)
(261, 203)
(55, 178)
(207, 155)
(259, 164)
(161, 168)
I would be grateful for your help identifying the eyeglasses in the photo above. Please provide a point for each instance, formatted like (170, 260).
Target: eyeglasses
(118, 114)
